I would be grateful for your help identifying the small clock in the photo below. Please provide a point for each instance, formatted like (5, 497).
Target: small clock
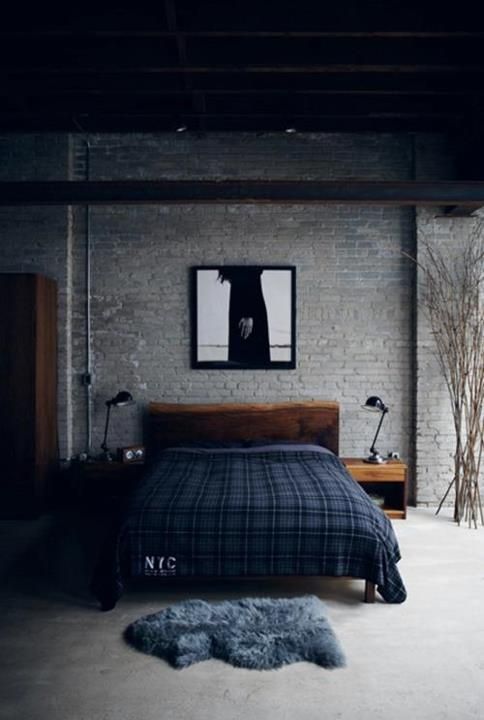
(132, 454)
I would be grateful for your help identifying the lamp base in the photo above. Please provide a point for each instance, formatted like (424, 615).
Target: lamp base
(105, 456)
(375, 459)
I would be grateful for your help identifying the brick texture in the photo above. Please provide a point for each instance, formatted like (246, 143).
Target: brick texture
(356, 328)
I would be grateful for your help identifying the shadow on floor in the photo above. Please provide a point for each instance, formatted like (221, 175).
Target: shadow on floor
(55, 555)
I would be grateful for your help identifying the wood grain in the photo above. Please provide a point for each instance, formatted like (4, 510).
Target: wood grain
(311, 422)
(391, 470)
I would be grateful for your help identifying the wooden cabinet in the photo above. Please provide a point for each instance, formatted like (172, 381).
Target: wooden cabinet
(28, 391)
(387, 481)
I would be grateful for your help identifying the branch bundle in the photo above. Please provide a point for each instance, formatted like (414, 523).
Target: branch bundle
(454, 301)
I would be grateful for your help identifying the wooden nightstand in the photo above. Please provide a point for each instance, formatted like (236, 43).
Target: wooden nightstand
(101, 483)
(388, 480)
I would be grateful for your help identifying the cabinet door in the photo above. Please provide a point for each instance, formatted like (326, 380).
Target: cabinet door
(28, 402)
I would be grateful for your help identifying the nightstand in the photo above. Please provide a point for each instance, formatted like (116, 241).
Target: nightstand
(101, 483)
(388, 480)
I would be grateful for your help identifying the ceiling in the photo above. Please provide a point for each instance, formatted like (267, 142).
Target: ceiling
(227, 65)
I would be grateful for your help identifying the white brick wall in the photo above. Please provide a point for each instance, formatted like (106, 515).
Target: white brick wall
(352, 306)
(355, 291)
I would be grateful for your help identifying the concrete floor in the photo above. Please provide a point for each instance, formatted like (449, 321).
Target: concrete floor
(62, 659)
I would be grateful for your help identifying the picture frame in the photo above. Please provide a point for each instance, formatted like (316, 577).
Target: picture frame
(243, 317)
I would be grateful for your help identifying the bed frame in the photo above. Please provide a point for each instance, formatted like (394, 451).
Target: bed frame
(311, 422)
(315, 422)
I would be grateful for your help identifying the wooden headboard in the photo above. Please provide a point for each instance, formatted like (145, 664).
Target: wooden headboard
(310, 422)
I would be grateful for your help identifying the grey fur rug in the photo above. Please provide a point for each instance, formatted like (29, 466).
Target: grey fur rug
(256, 633)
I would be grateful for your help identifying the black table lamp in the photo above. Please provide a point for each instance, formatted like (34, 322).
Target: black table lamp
(122, 398)
(375, 404)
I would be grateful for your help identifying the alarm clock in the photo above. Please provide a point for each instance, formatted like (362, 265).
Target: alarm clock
(132, 454)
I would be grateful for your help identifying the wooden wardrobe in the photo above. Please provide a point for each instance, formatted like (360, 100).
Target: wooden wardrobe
(28, 394)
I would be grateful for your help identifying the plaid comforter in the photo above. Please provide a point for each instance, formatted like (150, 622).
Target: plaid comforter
(291, 510)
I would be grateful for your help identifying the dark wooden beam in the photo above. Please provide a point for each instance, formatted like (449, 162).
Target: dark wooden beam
(73, 32)
(169, 87)
(468, 194)
(333, 68)
(103, 122)
(250, 15)
(244, 108)
(100, 87)
(138, 83)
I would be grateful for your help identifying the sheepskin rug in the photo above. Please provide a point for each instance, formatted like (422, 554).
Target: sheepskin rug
(255, 633)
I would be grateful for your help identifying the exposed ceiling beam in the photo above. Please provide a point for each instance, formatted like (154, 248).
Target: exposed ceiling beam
(220, 117)
(138, 122)
(463, 194)
(251, 15)
(33, 90)
(72, 32)
(336, 68)
(132, 122)
(105, 81)
(242, 66)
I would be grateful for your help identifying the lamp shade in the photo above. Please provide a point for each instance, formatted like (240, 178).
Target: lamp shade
(375, 404)
(122, 398)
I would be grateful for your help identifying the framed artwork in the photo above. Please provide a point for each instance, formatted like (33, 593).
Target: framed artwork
(244, 317)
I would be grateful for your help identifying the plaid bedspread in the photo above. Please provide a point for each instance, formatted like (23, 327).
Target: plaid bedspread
(256, 511)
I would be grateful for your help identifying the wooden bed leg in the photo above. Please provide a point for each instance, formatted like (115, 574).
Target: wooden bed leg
(369, 592)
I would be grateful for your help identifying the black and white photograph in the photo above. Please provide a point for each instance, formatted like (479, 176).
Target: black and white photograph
(243, 317)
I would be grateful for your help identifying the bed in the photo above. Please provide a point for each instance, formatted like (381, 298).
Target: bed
(248, 490)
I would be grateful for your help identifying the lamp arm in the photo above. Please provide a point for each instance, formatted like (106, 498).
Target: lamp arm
(106, 427)
(372, 449)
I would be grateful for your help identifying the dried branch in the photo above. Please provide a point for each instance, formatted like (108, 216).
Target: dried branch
(453, 299)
